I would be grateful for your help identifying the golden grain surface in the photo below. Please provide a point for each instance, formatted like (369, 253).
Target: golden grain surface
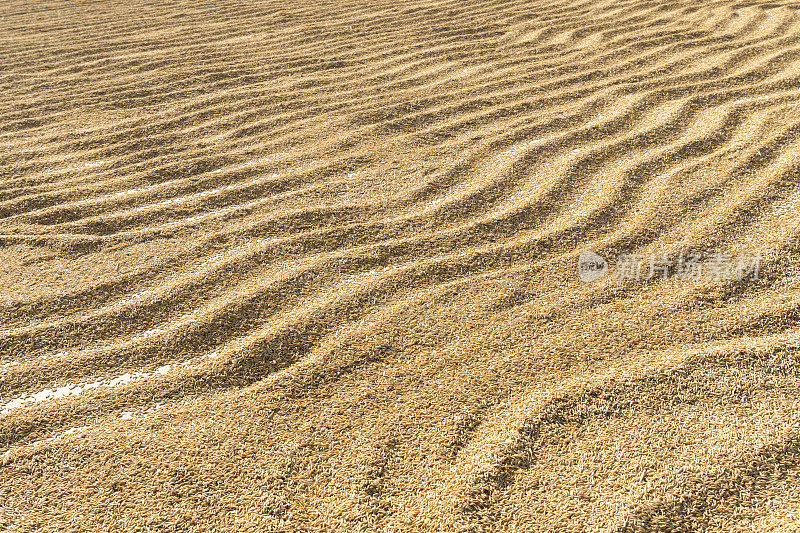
(275, 265)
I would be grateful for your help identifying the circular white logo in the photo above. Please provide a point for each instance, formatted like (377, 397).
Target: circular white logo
(591, 266)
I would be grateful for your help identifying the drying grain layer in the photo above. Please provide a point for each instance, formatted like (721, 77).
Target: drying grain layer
(311, 265)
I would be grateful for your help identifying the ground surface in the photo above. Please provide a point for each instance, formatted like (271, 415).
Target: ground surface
(292, 266)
